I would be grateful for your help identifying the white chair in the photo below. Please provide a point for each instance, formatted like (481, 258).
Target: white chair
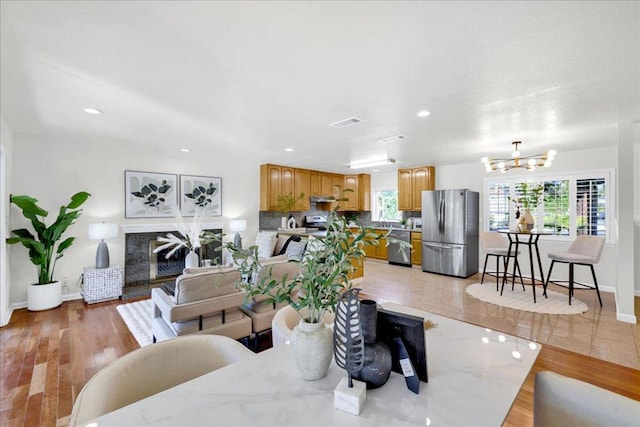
(285, 320)
(584, 250)
(559, 401)
(152, 369)
(497, 245)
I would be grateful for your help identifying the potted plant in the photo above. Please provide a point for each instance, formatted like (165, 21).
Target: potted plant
(43, 253)
(286, 203)
(325, 270)
(529, 199)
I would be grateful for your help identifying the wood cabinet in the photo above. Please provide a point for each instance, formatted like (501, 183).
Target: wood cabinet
(276, 181)
(380, 251)
(411, 184)
(416, 246)
(302, 184)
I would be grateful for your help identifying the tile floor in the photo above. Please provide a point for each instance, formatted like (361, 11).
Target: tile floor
(595, 333)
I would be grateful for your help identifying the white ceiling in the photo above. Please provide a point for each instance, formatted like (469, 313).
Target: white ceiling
(262, 76)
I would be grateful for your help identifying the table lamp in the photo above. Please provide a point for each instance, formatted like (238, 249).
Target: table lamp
(101, 231)
(237, 225)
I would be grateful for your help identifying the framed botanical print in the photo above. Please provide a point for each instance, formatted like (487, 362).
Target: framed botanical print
(201, 195)
(150, 194)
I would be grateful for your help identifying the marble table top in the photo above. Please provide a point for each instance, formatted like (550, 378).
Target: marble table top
(474, 376)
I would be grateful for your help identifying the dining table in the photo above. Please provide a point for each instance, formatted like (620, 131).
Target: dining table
(474, 376)
(529, 239)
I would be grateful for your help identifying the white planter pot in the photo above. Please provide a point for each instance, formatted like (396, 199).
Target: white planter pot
(312, 349)
(191, 260)
(44, 297)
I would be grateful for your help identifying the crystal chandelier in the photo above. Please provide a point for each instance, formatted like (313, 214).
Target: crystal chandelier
(518, 161)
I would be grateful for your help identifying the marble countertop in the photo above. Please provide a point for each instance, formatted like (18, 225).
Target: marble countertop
(474, 376)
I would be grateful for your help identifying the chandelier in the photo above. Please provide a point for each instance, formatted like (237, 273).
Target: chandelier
(517, 161)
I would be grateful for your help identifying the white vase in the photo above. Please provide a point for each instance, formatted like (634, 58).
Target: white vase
(283, 222)
(312, 349)
(44, 297)
(191, 260)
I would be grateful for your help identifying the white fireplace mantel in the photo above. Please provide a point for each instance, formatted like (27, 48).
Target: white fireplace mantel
(167, 226)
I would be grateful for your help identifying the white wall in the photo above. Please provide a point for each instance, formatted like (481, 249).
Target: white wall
(473, 176)
(6, 144)
(52, 170)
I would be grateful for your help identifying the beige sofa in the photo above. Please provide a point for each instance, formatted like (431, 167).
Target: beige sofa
(260, 309)
(205, 301)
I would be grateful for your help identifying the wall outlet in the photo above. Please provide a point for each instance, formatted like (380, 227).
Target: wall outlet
(65, 282)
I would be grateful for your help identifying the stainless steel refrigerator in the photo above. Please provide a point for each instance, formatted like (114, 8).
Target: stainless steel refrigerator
(450, 232)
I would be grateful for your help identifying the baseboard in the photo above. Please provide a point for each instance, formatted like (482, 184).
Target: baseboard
(23, 304)
(5, 322)
(628, 318)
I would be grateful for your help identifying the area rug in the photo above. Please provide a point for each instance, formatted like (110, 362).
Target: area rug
(137, 316)
(555, 303)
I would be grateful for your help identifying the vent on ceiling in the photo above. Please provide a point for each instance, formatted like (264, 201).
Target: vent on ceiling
(346, 122)
(394, 138)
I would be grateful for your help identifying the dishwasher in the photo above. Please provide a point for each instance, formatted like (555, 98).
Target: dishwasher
(394, 254)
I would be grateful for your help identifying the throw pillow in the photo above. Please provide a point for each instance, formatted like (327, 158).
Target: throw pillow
(296, 249)
(289, 240)
(266, 242)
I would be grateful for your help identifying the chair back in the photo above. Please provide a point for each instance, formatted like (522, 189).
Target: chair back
(588, 246)
(152, 369)
(492, 240)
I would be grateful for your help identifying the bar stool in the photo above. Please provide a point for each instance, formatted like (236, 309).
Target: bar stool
(584, 250)
(495, 244)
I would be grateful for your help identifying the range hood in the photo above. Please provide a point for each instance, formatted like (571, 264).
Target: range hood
(322, 199)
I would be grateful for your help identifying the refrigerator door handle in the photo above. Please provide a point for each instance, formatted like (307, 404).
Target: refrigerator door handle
(442, 245)
(441, 217)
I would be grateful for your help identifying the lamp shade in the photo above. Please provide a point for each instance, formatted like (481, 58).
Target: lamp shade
(237, 225)
(103, 230)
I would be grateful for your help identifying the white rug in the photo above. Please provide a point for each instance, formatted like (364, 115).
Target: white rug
(137, 316)
(555, 303)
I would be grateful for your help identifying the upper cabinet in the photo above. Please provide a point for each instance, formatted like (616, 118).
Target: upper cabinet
(411, 184)
(277, 180)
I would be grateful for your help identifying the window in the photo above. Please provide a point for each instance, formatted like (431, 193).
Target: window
(567, 206)
(385, 206)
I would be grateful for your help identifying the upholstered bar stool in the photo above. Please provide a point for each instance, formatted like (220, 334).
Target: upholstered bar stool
(495, 244)
(584, 250)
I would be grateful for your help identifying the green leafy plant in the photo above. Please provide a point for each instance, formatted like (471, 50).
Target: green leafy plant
(42, 247)
(325, 268)
(530, 197)
(287, 202)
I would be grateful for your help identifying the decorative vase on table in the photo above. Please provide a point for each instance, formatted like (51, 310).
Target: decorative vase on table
(312, 349)
(528, 220)
(192, 260)
(376, 368)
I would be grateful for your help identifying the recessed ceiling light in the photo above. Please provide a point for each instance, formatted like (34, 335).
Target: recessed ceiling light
(423, 113)
(288, 149)
(184, 150)
(375, 170)
(92, 110)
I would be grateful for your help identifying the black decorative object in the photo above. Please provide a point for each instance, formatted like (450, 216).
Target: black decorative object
(408, 371)
(377, 355)
(348, 343)
(392, 325)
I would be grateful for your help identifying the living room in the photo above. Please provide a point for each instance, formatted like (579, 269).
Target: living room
(237, 84)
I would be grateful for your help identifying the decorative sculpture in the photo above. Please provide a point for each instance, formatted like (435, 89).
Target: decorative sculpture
(348, 341)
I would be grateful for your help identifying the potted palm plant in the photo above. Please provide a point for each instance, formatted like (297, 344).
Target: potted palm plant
(43, 252)
(324, 275)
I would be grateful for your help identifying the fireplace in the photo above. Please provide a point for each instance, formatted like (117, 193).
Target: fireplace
(143, 267)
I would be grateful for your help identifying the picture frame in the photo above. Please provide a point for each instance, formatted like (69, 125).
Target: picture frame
(150, 194)
(201, 195)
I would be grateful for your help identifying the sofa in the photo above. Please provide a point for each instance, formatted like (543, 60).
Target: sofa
(204, 301)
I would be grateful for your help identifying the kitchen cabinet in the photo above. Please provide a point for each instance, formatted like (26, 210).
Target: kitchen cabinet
(411, 184)
(302, 184)
(274, 181)
(380, 251)
(416, 246)
(350, 183)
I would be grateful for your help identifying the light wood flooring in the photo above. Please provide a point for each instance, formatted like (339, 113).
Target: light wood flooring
(48, 356)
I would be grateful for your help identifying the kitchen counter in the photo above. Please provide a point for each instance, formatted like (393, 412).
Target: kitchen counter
(303, 232)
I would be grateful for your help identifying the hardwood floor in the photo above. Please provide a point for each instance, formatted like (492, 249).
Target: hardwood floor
(48, 356)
